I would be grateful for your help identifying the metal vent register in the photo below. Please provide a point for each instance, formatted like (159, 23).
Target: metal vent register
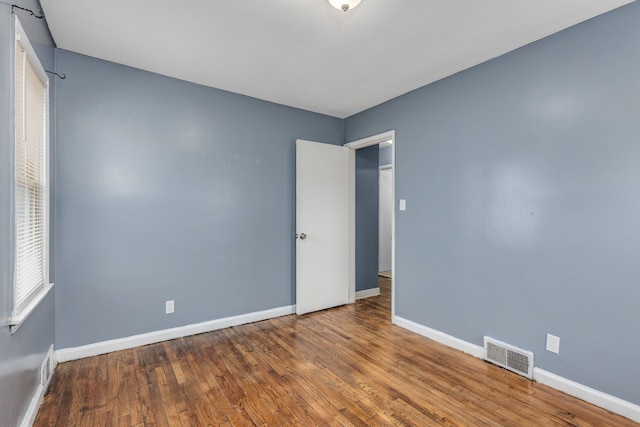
(509, 357)
(46, 369)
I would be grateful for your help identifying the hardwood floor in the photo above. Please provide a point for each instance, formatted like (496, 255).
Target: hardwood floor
(385, 274)
(343, 366)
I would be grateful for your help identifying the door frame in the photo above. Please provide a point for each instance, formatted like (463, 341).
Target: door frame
(354, 145)
(382, 168)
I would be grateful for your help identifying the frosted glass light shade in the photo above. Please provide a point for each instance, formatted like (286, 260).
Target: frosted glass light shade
(344, 5)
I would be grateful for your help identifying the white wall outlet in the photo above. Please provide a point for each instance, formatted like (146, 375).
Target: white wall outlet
(553, 344)
(403, 205)
(169, 307)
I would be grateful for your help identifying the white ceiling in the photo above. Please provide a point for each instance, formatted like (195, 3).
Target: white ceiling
(304, 53)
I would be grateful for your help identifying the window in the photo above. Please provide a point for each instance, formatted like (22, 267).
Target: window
(31, 280)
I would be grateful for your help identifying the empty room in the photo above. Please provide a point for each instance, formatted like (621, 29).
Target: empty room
(189, 218)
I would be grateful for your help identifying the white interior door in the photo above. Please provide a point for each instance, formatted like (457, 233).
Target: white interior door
(322, 225)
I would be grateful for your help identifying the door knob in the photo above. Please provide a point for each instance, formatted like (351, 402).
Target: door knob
(302, 236)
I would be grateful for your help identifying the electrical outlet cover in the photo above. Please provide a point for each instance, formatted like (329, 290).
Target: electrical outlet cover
(553, 344)
(169, 307)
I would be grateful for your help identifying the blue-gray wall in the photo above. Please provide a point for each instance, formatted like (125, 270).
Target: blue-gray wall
(367, 195)
(22, 353)
(386, 155)
(522, 182)
(520, 175)
(168, 190)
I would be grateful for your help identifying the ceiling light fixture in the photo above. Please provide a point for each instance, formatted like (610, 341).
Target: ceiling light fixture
(344, 5)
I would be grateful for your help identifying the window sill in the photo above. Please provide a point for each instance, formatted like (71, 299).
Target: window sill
(18, 319)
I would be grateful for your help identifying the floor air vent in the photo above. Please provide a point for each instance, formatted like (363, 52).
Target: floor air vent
(46, 369)
(509, 357)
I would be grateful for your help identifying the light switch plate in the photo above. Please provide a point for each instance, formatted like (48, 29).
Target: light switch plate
(403, 205)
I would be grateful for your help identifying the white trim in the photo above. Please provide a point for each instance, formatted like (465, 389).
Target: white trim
(588, 394)
(441, 337)
(372, 140)
(73, 353)
(352, 227)
(18, 319)
(21, 35)
(362, 143)
(38, 396)
(32, 411)
(393, 225)
(368, 293)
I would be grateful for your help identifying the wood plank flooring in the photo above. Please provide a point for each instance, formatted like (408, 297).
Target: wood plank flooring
(347, 366)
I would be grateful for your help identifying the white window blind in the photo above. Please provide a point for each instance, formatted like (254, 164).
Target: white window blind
(31, 190)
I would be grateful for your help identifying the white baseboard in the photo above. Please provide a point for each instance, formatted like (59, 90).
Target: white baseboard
(598, 398)
(32, 410)
(73, 353)
(441, 337)
(588, 394)
(368, 293)
(38, 396)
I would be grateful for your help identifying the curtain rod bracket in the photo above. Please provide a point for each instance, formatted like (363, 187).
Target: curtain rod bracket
(62, 76)
(28, 10)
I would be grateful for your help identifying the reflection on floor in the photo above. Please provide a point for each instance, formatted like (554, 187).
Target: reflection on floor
(386, 274)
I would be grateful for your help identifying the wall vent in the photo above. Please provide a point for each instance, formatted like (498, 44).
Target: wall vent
(509, 357)
(46, 369)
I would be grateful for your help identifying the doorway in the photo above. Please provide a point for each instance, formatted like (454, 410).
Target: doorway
(387, 139)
